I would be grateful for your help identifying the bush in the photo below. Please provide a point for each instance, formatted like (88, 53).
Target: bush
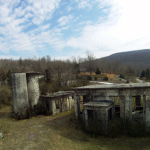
(45, 87)
(98, 71)
(89, 78)
(120, 127)
(40, 108)
(105, 78)
(121, 76)
(5, 95)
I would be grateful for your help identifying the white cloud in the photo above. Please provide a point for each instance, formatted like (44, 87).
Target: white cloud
(84, 3)
(127, 28)
(64, 20)
(14, 20)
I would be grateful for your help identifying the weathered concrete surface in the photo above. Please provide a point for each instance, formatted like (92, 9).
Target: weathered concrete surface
(124, 92)
(128, 107)
(77, 107)
(25, 91)
(147, 113)
(96, 115)
(33, 89)
(58, 102)
(20, 94)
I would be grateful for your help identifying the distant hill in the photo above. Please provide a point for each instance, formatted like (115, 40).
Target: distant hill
(138, 59)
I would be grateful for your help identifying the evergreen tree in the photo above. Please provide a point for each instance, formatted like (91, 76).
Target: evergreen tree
(143, 74)
(97, 71)
(148, 73)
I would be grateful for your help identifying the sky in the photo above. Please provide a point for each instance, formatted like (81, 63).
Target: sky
(63, 29)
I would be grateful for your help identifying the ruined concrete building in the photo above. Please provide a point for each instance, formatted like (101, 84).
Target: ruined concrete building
(26, 95)
(25, 90)
(99, 104)
(58, 102)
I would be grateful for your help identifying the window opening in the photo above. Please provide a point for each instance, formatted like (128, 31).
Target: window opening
(117, 106)
(137, 108)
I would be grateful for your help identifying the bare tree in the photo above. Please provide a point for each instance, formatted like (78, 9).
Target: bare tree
(90, 62)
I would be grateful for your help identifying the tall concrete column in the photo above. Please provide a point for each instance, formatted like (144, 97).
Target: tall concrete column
(20, 94)
(144, 107)
(53, 107)
(128, 107)
(33, 89)
(147, 113)
(122, 107)
(113, 108)
(77, 106)
(68, 102)
(86, 118)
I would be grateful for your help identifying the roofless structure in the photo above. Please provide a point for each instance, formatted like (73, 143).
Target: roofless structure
(100, 103)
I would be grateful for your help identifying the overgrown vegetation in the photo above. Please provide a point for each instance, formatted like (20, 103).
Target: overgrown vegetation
(121, 127)
(145, 74)
(5, 95)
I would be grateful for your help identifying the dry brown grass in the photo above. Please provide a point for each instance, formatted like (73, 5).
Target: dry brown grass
(58, 132)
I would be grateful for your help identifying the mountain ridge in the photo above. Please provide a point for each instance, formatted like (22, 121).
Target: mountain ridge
(137, 59)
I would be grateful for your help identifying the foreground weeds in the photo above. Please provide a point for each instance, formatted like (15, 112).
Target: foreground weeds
(59, 132)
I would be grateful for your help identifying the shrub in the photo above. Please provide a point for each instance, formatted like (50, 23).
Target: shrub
(105, 78)
(45, 87)
(40, 108)
(89, 78)
(122, 76)
(121, 127)
(5, 95)
(98, 71)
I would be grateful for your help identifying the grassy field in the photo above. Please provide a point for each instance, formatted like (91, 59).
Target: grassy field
(58, 132)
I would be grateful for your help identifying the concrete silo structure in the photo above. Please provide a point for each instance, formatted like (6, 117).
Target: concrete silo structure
(25, 91)
(33, 89)
(20, 94)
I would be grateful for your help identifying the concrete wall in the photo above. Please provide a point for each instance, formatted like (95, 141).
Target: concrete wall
(147, 113)
(33, 89)
(20, 93)
(99, 119)
(64, 103)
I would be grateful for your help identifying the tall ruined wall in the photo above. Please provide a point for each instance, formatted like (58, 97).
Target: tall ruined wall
(20, 94)
(33, 89)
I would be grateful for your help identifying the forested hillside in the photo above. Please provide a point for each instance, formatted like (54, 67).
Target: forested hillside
(138, 59)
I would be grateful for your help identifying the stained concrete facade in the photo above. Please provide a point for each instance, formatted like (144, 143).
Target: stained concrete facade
(20, 93)
(58, 102)
(25, 91)
(33, 88)
(96, 115)
(125, 93)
